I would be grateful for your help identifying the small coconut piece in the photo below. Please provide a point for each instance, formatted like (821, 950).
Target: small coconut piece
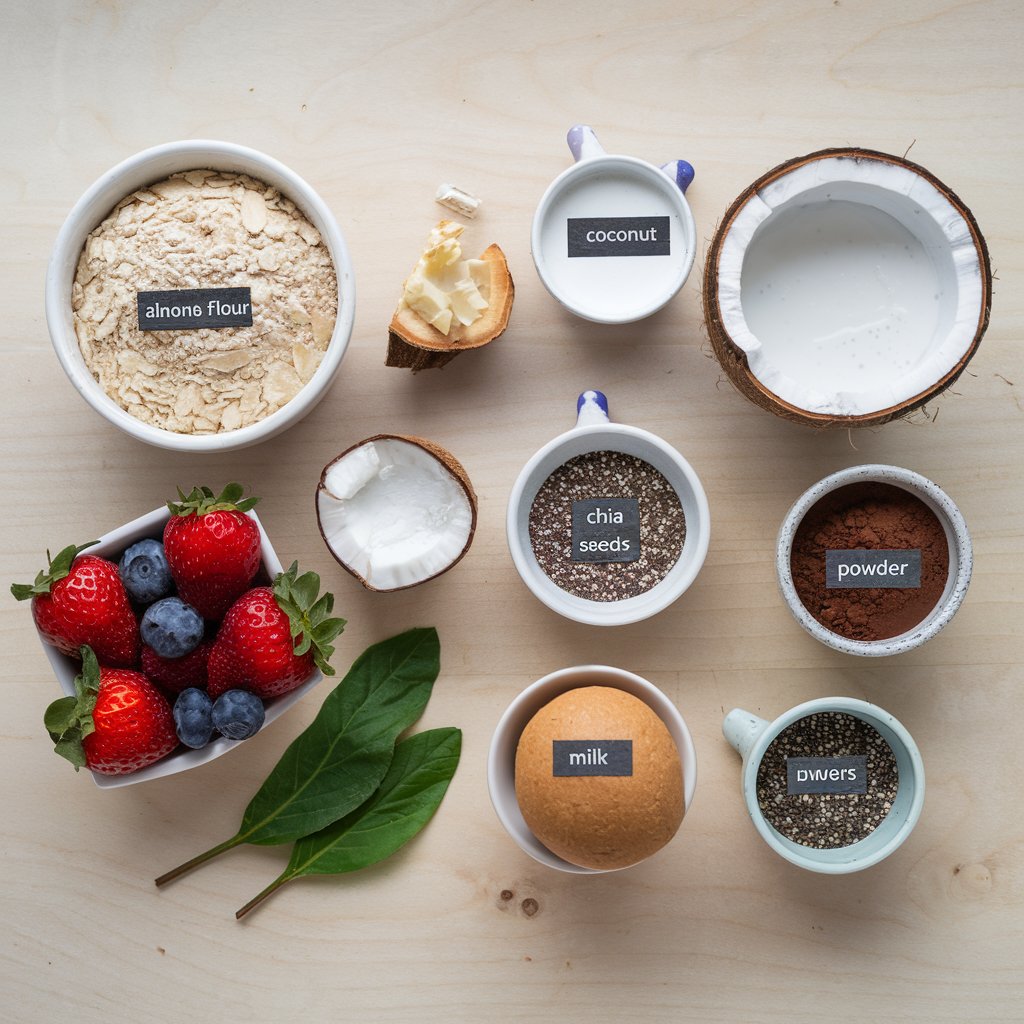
(846, 288)
(449, 304)
(396, 511)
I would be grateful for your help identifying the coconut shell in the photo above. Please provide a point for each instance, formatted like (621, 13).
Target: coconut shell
(734, 360)
(415, 345)
(600, 821)
(444, 456)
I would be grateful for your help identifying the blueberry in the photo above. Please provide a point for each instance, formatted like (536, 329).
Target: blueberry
(145, 572)
(193, 717)
(238, 714)
(172, 628)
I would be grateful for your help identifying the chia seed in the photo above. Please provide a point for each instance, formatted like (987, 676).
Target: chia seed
(827, 821)
(607, 474)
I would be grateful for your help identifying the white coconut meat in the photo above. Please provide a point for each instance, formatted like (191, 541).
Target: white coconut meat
(393, 513)
(852, 285)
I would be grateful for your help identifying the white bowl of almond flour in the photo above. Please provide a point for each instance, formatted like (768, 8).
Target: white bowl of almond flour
(200, 296)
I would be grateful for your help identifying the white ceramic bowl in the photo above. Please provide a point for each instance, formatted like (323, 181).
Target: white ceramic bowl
(153, 165)
(111, 546)
(751, 736)
(961, 559)
(593, 433)
(501, 760)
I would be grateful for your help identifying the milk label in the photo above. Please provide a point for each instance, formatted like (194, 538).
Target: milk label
(591, 757)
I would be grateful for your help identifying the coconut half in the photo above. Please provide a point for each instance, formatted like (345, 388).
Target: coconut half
(396, 511)
(470, 300)
(846, 288)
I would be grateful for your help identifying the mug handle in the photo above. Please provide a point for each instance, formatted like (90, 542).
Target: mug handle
(680, 172)
(583, 143)
(591, 409)
(742, 729)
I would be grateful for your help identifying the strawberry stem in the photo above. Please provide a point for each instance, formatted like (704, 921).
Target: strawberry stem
(257, 900)
(201, 500)
(183, 869)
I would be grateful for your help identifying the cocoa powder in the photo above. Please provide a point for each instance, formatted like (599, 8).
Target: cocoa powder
(872, 516)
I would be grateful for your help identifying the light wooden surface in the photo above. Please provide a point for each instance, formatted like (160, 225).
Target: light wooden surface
(376, 104)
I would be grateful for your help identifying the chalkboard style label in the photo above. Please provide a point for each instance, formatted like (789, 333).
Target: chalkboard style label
(591, 757)
(845, 570)
(618, 236)
(826, 774)
(606, 530)
(184, 309)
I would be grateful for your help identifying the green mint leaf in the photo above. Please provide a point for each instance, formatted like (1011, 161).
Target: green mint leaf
(71, 750)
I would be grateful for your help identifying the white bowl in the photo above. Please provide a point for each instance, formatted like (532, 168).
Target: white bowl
(111, 546)
(153, 165)
(961, 559)
(501, 759)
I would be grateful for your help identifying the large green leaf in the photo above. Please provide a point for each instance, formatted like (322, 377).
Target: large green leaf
(411, 792)
(340, 759)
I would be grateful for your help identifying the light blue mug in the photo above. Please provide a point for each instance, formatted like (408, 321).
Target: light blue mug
(751, 736)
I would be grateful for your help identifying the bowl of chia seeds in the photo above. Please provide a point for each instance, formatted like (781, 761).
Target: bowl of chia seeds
(834, 785)
(607, 524)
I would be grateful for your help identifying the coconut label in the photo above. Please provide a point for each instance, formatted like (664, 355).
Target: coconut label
(827, 774)
(182, 309)
(606, 530)
(618, 236)
(845, 570)
(591, 757)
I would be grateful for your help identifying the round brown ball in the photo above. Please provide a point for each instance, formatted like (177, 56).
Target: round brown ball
(599, 821)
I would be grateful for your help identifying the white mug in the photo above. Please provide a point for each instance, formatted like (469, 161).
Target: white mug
(594, 432)
(751, 736)
(613, 237)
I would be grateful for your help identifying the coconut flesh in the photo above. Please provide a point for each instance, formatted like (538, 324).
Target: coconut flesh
(852, 285)
(395, 511)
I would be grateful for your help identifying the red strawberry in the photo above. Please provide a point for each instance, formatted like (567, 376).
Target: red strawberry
(118, 723)
(177, 674)
(212, 547)
(272, 638)
(80, 599)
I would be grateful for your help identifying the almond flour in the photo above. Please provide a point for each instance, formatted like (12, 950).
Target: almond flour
(205, 229)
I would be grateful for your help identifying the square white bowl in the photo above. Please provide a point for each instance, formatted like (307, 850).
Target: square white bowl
(111, 546)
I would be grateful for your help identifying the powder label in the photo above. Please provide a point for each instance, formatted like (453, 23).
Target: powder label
(591, 757)
(826, 774)
(606, 530)
(845, 570)
(182, 309)
(618, 236)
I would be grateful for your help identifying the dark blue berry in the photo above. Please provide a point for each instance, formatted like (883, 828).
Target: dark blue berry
(145, 572)
(172, 628)
(193, 717)
(238, 714)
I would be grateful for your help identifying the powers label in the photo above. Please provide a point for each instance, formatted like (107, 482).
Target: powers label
(892, 569)
(591, 757)
(618, 236)
(606, 530)
(183, 309)
(827, 774)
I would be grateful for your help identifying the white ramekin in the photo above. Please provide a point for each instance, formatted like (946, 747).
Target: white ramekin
(150, 166)
(961, 559)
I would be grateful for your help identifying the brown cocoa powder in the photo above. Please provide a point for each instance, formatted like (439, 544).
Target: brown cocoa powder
(869, 515)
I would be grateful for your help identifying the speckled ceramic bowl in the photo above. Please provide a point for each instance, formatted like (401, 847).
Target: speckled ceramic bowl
(961, 558)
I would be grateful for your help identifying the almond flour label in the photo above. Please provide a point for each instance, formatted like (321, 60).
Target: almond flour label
(618, 236)
(591, 757)
(183, 308)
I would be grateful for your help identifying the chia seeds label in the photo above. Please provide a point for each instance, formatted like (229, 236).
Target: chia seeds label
(182, 309)
(827, 774)
(618, 236)
(591, 757)
(845, 570)
(606, 530)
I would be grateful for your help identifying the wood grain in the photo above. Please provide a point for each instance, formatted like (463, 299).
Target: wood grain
(375, 105)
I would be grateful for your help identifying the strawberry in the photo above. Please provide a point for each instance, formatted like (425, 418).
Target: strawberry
(272, 638)
(173, 675)
(80, 599)
(212, 547)
(117, 723)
